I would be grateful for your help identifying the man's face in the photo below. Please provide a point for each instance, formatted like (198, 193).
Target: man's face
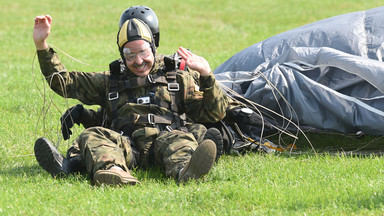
(139, 57)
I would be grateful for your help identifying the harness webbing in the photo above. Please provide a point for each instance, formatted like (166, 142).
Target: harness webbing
(122, 85)
(118, 85)
(114, 69)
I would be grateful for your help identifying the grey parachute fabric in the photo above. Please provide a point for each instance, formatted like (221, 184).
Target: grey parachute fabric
(330, 72)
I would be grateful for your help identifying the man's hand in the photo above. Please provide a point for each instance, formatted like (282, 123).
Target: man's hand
(69, 118)
(195, 62)
(41, 31)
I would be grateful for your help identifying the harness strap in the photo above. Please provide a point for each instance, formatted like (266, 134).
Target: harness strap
(116, 85)
(113, 95)
(136, 82)
(173, 87)
(150, 119)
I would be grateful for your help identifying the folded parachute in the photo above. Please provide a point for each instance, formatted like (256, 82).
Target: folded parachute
(328, 75)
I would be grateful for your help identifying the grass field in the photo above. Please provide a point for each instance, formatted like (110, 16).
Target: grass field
(253, 184)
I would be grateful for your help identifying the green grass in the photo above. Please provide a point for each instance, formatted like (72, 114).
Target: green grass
(253, 184)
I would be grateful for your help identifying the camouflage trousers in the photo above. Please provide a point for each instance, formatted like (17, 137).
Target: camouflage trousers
(102, 148)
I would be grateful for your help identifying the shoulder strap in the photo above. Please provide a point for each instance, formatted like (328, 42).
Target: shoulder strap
(113, 94)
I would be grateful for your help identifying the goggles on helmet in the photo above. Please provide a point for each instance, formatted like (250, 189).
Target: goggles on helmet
(143, 53)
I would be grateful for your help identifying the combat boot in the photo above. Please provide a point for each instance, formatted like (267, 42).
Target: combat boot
(215, 135)
(200, 163)
(114, 176)
(51, 160)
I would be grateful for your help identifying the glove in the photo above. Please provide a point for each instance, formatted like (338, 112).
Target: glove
(69, 118)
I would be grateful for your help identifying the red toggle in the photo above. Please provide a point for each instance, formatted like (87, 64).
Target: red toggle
(182, 64)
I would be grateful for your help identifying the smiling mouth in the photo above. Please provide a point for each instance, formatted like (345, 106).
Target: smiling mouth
(140, 67)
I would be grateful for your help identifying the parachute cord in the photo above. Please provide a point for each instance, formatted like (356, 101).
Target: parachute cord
(73, 58)
(48, 101)
(291, 110)
(282, 131)
(255, 105)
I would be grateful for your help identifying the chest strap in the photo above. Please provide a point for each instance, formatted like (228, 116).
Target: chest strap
(121, 85)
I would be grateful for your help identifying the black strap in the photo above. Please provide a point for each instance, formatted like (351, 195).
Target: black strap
(173, 87)
(145, 119)
(169, 122)
(113, 95)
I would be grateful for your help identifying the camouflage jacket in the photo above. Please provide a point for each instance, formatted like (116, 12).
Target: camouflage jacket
(204, 103)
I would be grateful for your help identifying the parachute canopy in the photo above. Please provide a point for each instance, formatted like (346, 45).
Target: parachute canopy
(327, 75)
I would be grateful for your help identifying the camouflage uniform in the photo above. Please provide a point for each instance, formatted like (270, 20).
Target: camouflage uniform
(102, 148)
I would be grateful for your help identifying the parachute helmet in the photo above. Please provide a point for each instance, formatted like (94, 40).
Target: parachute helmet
(145, 14)
(131, 30)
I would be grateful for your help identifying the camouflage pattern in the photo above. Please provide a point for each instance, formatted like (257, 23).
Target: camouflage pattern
(197, 130)
(99, 146)
(102, 148)
(173, 150)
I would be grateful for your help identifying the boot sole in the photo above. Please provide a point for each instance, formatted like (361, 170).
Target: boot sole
(48, 157)
(201, 161)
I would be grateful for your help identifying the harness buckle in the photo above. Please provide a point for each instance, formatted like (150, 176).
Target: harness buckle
(173, 87)
(168, 128)
(151, 119)
(150, 78)
(113, 96)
